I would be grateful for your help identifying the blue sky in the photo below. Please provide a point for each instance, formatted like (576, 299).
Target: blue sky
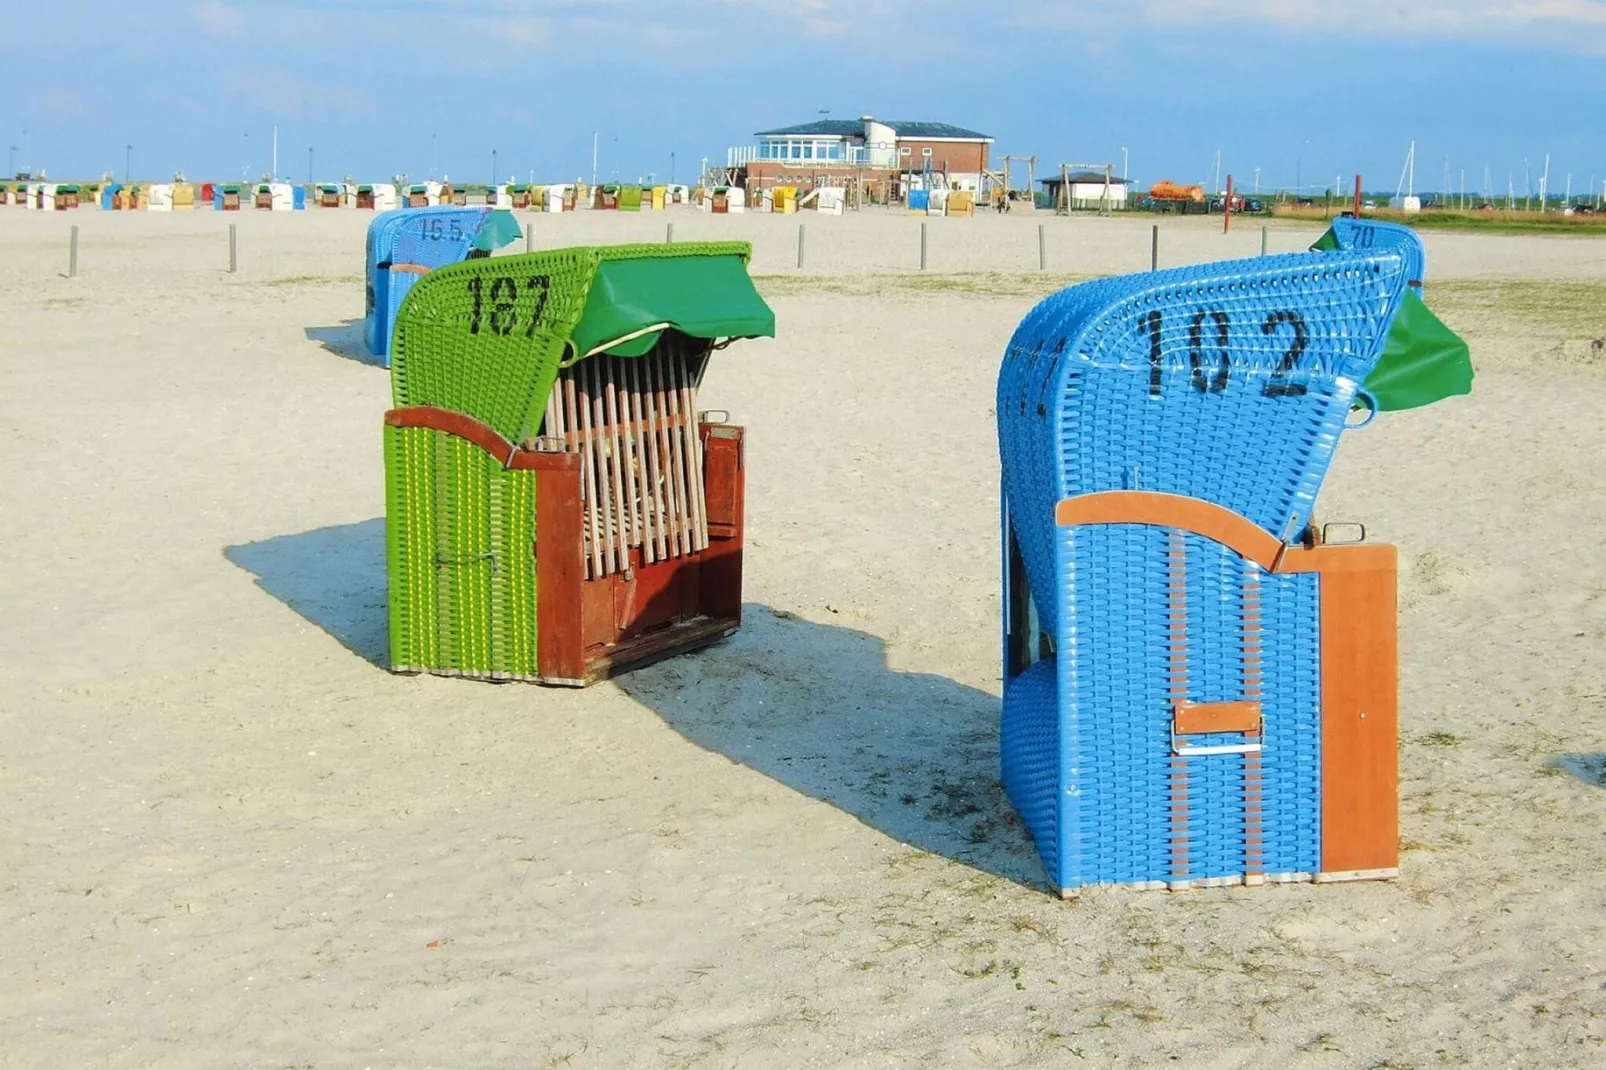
(418, 86)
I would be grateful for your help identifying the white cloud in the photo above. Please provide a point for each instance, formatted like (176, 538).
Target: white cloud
(1571, 25)
(214, 16)
(292, 95)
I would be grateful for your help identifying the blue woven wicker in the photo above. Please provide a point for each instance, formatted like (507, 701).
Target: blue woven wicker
(1229, 383)
(418, 238)
(1367, 235)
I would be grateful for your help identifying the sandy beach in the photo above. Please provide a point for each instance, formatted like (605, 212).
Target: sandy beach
(231, 838)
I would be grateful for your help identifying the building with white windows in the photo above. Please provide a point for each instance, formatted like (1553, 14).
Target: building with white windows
(913, 155)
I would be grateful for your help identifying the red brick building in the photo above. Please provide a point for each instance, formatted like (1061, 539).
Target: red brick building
(900, 155)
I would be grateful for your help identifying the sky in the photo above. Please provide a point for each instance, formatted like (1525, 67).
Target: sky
(1304, 91)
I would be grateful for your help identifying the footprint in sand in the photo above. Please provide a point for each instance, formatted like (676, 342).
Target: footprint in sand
(1430, 574)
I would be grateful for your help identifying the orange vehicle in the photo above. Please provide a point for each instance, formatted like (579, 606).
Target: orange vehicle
(1166, 190)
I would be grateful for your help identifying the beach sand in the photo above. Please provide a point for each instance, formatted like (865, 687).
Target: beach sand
(231, 838)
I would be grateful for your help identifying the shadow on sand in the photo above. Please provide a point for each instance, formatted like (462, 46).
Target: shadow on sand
(1590, 768)
(345, 340)
(334, 577)
(814, 706)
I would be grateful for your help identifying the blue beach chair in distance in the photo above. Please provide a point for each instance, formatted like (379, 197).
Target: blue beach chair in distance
(406, 243)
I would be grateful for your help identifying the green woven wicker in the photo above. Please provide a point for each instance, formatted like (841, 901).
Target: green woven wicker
(486, 339)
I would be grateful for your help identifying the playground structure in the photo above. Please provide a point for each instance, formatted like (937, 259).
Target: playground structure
(557, 509)
(1199, 688)
(998, 187)
(1062, 194)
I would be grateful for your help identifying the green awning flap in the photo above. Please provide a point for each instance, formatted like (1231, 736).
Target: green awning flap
(499, 229)
(632, 302)
(1423, 360)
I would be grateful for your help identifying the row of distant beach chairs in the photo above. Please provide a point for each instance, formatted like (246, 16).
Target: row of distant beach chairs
(385, 196)
(152, 197)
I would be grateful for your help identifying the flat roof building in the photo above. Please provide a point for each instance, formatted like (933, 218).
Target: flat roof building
(829, 151)
(1087, 189)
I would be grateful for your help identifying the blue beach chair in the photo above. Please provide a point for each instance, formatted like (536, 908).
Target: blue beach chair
(406, 243)
(1196, 691)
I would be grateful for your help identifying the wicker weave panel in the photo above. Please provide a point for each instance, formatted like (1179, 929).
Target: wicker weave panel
(1029, 758)
(460, 531)
(1086, 747)
(1099, 390)
(1369, 235)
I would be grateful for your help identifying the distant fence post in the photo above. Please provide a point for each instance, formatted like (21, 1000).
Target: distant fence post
(1154, 249)
(669, 234)
(233, 248)
(1042, 249)
(922, 247)
(1262, 241)
(529, 238)
(72, 253)
(800, 246)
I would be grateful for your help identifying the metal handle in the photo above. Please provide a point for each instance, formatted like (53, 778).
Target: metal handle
(1213, 718)
(1327, 538)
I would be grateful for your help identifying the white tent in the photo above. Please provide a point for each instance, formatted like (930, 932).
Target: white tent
(554, 198)
(159, 197)
(737, 199)
(829, 199)
(45, 197)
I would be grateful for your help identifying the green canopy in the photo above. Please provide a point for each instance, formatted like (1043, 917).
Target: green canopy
(1423, 360)
(499, 229)
(524, 317)
(631, 302)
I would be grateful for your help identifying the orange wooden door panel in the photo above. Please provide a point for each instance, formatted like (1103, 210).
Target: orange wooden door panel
(1360, 709)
